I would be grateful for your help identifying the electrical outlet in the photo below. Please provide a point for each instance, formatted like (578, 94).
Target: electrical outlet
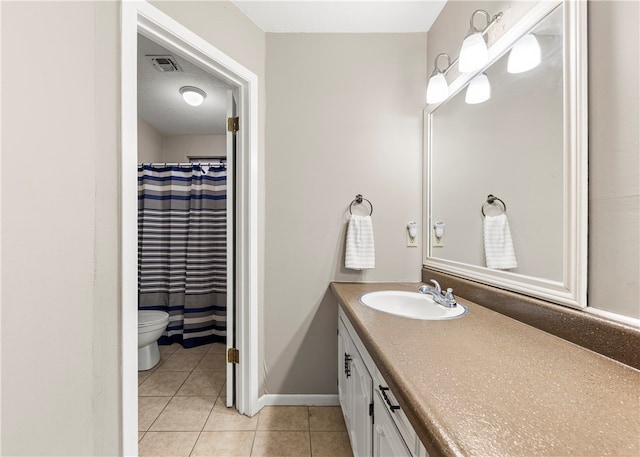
(435, 241)
(411, 242)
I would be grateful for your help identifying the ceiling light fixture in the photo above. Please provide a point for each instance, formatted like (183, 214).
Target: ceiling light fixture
(478, 90)
(192, 95)
(525, 54)
(437, 88)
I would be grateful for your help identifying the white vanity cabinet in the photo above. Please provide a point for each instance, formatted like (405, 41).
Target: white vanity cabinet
(375, 422)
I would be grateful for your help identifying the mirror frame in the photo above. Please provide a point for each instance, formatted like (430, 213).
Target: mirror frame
(572, 290)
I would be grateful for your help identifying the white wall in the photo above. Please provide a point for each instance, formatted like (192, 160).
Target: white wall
(344, 117)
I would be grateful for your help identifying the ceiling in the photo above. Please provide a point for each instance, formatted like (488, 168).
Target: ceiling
(318, 16)
(161, 105)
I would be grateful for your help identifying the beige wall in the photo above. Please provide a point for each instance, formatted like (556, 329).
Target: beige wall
(176, 148)
(344, 117)
(614, 207)
(614, 156)
(149, 143)
(60, 367)
(155, 147)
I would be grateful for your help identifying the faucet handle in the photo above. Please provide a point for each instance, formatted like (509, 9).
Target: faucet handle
(438, 288)
(449, 295)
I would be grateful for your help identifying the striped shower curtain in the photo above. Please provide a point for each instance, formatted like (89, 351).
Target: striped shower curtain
(182, 250)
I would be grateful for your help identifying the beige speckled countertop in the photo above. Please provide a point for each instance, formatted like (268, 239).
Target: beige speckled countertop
(487, 385)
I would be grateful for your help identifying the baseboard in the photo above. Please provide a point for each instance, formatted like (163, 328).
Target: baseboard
(298, 400)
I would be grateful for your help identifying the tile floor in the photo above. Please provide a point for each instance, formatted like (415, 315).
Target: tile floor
(182, 412)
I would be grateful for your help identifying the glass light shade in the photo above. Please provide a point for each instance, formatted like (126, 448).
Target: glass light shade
(474, 53)
(437, 89)
(524, 55)
(192, 95)
(479, 90)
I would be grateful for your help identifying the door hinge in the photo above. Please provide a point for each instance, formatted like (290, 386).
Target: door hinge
(371, 409)
(233, 355)
(233, 124)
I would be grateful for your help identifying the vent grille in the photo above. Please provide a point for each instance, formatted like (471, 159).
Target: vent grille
(164, 63)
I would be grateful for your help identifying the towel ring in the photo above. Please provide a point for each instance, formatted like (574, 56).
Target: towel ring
(358, 200)
(491, 199)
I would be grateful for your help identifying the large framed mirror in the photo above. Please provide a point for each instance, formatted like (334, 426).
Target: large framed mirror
(506, 179)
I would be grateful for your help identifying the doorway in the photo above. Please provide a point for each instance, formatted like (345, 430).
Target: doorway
(141, 18)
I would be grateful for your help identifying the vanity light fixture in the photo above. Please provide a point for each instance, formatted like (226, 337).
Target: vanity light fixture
(479, 90)
(524, 55)
(437, 88)
(192, 95)
(474, 53)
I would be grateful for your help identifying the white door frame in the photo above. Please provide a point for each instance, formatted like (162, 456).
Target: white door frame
(140, 17)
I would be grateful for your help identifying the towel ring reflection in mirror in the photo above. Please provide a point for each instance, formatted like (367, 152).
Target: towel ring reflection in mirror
(491, 199)
(358, 200)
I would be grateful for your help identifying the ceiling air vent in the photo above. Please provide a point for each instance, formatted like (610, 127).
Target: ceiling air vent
(164, 63)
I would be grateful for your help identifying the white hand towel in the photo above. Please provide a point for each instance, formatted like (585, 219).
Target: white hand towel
(360, 250)
(498, 245)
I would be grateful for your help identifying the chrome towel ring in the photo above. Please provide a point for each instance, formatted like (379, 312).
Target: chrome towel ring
(491, 199)
(358, 200)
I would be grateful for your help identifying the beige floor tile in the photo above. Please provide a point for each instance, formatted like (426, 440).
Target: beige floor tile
(223, 419)
(184, 414)
(213, 361)
(223, 444)
(167, 444)
(200, 383)
(330, 444)
(281, 444)
(196, 350)
(162, 383)
(167, 350)
(140, 436)
(326, 419)
(217, 348)
(149, 408)
(284, 418)
(180, 361)
(142, 376)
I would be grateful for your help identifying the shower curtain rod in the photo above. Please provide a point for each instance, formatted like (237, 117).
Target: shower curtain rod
(185, 164)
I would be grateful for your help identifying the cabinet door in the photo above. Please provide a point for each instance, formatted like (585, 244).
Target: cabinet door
(344, 376)
(387, 441)
(361, 397)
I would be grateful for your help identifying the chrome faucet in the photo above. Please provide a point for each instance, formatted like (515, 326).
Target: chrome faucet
(445, 299)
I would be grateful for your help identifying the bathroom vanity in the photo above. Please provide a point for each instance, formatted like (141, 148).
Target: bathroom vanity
(482, 384)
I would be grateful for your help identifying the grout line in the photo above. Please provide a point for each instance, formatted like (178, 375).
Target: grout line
(309, 432)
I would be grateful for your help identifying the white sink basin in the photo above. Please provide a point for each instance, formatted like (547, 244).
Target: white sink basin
(413, 305)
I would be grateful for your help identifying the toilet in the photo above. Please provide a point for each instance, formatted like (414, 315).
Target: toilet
(151, 324)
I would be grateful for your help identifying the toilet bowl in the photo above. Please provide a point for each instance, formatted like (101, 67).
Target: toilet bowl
(151, 324)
